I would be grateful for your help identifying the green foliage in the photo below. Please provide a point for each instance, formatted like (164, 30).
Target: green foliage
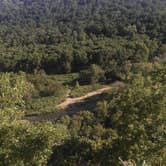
(23, 143)
(103, 40)
(137, 114)
(64, 79)
(67, 36)
(129, 124)
(92, 75)
(43, 105)
(13, 89)
(48, 93)
(45, 86)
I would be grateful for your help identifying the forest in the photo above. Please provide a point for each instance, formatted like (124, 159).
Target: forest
(82, 82)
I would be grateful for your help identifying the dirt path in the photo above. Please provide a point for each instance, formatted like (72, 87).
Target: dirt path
(68, 102)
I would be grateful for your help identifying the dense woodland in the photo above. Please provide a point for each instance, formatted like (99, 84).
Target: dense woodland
(50, 47)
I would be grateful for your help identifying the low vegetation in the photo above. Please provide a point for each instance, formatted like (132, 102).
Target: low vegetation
(51, 50)
(79, 91)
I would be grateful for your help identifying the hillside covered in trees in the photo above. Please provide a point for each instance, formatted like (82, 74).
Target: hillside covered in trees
(54, 50)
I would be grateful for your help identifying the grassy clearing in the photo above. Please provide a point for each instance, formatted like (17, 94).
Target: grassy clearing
(65, 79)
(43, 105)
(40, 105)
(51, 90)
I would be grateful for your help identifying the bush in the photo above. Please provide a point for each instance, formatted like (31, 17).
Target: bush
(45, 86)
(93, 74)
(13, 89)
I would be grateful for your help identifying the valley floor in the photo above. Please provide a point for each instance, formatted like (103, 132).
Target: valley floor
(67, 107)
